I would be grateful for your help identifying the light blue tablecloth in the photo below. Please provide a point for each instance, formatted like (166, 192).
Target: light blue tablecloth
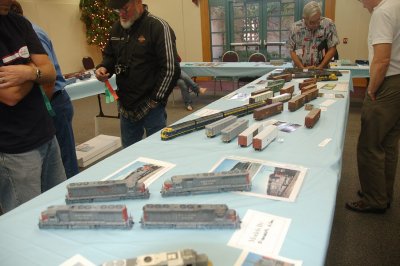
(23, 243)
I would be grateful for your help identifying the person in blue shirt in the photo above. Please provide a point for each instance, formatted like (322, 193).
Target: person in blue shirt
(60, 102)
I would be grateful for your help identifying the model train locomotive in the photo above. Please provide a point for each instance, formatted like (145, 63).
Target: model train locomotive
(206, 183)
(183, 128)
(108, 190)
(85, 216)
(194, 216)
(183, 257)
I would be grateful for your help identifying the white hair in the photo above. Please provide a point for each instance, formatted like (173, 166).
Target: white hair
(310, 9)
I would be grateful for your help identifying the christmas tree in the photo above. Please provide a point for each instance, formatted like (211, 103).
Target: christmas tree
(98, 19)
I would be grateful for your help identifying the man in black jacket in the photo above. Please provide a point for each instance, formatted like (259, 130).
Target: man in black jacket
(142, 53)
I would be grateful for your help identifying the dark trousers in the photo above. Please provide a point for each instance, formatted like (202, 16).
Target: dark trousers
(64, 110)
(378, 143)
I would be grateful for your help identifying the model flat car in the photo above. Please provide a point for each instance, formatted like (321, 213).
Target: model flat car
(201, 183)
(85, 216)
(186, 216)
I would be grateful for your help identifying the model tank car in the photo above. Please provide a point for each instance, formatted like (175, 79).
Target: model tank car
(189, 216)
(183, 257)
(108, 190)
(85, 216)
(206, 183)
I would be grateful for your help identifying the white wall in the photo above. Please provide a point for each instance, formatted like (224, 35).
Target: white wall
(61, 20)
(352, 22)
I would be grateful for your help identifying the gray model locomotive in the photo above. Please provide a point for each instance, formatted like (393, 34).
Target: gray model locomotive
(85, 216)
(189, 216)
(108, 190)
(206, 183)
(183, 257)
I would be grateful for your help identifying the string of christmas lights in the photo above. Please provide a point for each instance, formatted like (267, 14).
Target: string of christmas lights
(98, 19)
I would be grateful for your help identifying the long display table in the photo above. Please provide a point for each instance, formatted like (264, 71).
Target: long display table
(319, 150)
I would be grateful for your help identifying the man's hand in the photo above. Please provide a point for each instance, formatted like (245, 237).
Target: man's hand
(15, 75)
(102, 74)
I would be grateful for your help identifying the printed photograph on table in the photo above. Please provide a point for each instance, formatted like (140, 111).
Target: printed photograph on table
(286, 126)
(145, 169)
(272, 180)
(252, 259)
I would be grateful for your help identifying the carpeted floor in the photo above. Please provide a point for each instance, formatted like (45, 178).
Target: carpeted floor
(356, 239)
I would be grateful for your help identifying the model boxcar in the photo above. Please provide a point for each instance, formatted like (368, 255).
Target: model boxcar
(287, 89)
(265, 137)
(311, 95)
(296, 102)
(231, 131)
(259, 91)
(196, 216)
(312, 117)
(215, 128)
(308, 88)
(109, 190)
(246, 137)
(206, 183)
(261, 96)
(86, 216)
(268, 110)
(280, 98)
(183, 257)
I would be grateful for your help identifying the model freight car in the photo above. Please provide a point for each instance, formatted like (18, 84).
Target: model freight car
(215, 128)
(268, 110)
(246, 137)
(265, 137)
(195, 216)
(176, 130)
(183, 257)
(308, 88)
(108, 190)
(287, 89)
(280, 98)
(312, 117)
(85, 216)
(311, 95)
(233, 130)
(296, 102)
(261, 96)
(201, 183)
(259, 91)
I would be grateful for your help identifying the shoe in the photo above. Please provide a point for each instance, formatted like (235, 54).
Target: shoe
(361, 195)
(202, 90)
(361, 206)
(189, 107)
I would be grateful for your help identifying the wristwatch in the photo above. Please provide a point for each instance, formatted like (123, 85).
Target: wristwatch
(38, 74)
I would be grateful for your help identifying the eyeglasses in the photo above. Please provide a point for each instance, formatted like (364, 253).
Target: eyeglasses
(124, 10)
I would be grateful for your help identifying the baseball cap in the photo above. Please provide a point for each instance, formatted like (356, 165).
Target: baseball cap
(117, 4)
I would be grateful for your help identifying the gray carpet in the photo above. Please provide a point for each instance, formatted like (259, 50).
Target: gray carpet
(356, 239)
